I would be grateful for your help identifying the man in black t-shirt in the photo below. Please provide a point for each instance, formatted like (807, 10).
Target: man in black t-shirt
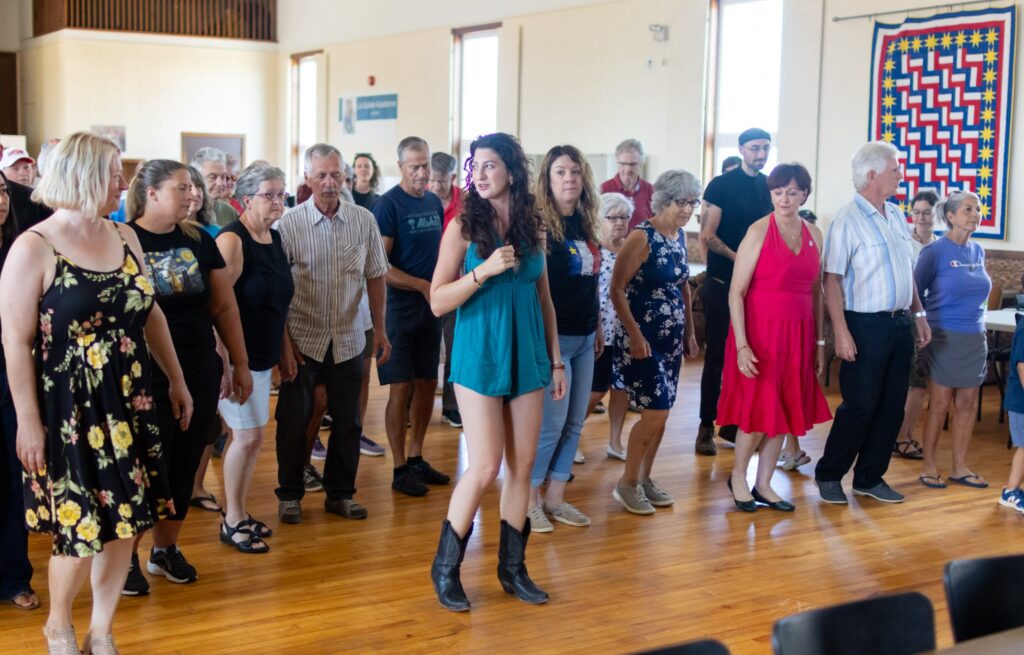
(732, 202)
(410, 217)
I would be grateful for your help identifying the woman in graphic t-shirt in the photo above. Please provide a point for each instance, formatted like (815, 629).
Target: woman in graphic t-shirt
(194, 291)
(568, 202)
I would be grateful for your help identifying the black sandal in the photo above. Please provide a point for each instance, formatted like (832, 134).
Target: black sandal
(208, 503)
(248, 545)
(908, 449)
(259, 528)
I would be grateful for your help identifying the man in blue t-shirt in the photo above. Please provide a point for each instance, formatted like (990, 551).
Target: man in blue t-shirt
(410, 219)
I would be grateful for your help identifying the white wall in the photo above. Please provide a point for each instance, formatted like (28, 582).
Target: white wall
(10, 25)
(157, 87)
(312, 24)
(844, 96)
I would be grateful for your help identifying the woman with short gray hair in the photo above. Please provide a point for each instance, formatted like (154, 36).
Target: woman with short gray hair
(651, 296)
(259, 270)
(951, 278)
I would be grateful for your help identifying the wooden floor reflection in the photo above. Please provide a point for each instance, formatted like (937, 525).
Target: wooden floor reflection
(624, 584)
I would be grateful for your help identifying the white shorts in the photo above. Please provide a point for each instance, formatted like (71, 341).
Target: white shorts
(255, 413)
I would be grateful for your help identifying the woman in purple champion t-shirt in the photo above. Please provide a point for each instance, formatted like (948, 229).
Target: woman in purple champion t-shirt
(954, 286)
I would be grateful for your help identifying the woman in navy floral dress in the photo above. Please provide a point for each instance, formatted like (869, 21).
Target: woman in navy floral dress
(651, 296)
(78, 314)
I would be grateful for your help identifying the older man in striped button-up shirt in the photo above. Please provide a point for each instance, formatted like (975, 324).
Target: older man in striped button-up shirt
(333, 247)
(870, 295)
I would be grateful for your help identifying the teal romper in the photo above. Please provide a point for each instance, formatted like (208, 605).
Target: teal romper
(499, 347)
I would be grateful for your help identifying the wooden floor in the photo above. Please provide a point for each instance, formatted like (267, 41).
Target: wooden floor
(624, 584)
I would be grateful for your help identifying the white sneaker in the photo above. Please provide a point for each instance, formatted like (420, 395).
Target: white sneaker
(615, 454)
(579, 458)
(539, 521)
(568, 514)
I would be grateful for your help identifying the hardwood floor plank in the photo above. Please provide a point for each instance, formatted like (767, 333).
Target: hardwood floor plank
(626, 583)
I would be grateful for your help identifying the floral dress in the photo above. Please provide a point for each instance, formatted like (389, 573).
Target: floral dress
(655, 296)
(105, 477)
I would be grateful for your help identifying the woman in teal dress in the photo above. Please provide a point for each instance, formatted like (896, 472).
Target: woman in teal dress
(492, 270)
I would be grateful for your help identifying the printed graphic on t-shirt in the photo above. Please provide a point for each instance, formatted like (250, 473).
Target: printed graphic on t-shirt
(417, 223)
(175, 272)
(584, 258)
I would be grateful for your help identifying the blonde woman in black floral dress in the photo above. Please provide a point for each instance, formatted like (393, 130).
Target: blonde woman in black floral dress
(78, 313)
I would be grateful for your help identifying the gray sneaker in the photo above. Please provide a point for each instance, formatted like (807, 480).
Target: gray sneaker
(832, 492)
(311, 479)
(656, 495)
(347, 507)
(633, 499)
(881, 492)
(539, 521)
(568, 514)
(289, 511)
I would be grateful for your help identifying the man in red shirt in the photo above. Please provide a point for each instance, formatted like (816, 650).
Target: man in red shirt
(629, 158)
(444, 183)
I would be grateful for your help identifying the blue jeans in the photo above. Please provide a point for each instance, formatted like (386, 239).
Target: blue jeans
(563, 419)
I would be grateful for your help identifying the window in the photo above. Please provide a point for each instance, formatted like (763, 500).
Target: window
(305, 111)
(748, 71)
(475, 64)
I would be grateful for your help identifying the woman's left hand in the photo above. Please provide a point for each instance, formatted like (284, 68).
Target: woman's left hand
(225, 382)
(819, 361)
(599, 343)
(181, 404)
(558, 384)
(241, 383)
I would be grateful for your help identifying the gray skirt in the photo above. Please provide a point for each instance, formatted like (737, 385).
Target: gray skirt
(956, 359)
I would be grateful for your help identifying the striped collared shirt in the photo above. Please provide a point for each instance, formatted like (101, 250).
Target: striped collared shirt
(331, 258)
(874, 255)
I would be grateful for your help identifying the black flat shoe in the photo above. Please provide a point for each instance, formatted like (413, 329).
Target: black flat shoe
(742, 505)
(779, 505)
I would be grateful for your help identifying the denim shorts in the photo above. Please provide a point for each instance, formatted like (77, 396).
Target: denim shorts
(1016, 428)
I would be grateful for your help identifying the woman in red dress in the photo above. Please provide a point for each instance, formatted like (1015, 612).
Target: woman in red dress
(770, 384)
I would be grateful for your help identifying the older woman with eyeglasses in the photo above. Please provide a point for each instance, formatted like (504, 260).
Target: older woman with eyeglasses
(615, 211)
(922, 213)
(652, 299)
(261, 276)
(951, 278)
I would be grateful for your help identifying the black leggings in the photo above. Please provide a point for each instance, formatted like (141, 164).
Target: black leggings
(202, 368)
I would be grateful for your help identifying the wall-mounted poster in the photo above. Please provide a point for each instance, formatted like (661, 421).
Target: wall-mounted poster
(233, 145)
(375, 115)
(115, 133)
(942, 92)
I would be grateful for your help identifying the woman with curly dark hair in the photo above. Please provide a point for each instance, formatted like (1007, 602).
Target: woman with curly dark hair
(367, 180)
(492, 271)
(568, 200)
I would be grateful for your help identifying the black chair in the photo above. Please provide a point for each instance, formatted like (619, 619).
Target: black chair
(900, 624)
(984, 595)
(702, 647)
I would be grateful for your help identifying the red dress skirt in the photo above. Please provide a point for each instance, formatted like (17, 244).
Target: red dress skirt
(785, 397)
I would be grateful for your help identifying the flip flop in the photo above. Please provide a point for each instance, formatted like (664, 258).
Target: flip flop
(205, 502)
(970, 480)
(932, 481)
(28, 595)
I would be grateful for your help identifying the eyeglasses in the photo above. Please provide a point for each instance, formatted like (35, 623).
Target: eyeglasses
(682, 202)
(271, 197)
(612, 217)
(628, 164)
(758, 149)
